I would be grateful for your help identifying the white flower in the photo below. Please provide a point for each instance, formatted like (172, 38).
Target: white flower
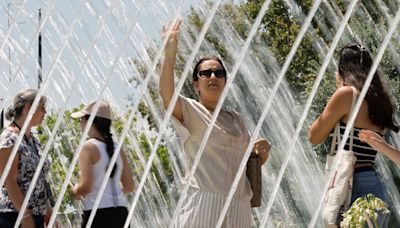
(58, 139)
(363, 209)
(57, 144)
(69, 209)
(66, 134)
(64, 160)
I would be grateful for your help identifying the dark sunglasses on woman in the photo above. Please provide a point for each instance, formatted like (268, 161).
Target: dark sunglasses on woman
(207, 73)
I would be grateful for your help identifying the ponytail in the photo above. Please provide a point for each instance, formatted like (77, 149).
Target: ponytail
(110, 148)
(24, 97)
(103, 125)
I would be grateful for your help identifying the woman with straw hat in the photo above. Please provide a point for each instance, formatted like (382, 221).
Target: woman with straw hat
(94, 160)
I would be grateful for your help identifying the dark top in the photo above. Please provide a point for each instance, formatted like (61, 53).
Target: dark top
(364, 153)
(29, 157)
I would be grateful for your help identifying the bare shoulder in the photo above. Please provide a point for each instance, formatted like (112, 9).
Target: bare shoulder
(88, 146)
(343, 97)
(345, 92)
(90, 152)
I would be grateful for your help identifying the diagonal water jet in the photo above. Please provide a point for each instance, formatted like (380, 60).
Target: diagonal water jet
(172, 104)
(40, 27)
(285, 67)
(86, 130)
(236, 67)
(130, 119)
(308, 105)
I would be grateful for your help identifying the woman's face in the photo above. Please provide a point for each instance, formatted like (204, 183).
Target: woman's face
(39, 114)
(83, 122)
(92, 130)
(211, 79)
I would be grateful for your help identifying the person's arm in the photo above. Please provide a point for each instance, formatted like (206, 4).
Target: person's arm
(13, 190)
(262, 148)
(86, 161)
(167, 86)
(126, 178)
(378, 143)
(338, 107)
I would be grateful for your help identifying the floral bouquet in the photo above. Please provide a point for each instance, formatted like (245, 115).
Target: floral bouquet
(364, 211)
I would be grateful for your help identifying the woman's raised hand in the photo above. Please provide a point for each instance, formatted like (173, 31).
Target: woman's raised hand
(167, 86)
(171, 32)
(373, 139)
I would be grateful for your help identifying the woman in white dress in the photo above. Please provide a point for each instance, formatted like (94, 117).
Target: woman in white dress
(225, 147)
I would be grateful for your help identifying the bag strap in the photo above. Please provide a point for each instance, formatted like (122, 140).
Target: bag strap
(336, 133)
(353, 103)
(335, 138)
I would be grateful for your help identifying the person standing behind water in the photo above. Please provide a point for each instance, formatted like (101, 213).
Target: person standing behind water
(225, 147)
(93, 162)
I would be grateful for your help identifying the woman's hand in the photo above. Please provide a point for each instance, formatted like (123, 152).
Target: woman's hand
(171, 32)
(378, 143)
(167, 85)
(373, 139)
(75, 194)
(261, 148)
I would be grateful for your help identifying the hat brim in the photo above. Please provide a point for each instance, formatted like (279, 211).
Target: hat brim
(78, 114)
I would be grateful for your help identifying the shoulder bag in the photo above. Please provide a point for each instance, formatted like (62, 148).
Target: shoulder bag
(337, 198)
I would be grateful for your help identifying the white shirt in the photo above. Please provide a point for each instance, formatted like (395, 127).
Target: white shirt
(113, 195)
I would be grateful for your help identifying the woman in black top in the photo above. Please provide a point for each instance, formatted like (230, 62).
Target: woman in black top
(375, 114)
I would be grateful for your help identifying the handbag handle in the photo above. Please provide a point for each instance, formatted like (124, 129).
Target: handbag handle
(353, 103)
(336, 133)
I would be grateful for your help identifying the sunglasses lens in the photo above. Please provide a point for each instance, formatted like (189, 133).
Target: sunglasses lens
(219, 73)
(205, 73)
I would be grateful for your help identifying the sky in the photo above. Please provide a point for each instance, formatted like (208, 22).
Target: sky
(84, 44)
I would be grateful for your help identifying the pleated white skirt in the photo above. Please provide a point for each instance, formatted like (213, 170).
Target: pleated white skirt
(202, 209)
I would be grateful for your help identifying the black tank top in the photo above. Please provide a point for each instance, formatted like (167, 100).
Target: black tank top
(364, 153)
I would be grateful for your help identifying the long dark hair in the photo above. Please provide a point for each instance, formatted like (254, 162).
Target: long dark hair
(355, 63)
(197, 67)
(103, 126)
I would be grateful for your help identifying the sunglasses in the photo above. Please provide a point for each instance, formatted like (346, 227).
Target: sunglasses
(207, 73)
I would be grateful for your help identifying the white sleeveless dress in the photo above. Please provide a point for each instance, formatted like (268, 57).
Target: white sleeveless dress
(217, 168)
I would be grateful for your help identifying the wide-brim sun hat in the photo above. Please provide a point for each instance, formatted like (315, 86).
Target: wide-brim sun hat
(103, 111)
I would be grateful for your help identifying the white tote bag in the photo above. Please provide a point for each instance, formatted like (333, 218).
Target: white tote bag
(338, 196)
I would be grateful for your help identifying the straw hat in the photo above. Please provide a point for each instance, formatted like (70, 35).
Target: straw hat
(103, 111)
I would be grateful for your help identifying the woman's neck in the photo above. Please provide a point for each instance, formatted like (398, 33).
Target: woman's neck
(19, 123)
(209, 104)
(96, 135)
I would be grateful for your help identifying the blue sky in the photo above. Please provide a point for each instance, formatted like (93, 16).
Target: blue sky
(146, 17)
